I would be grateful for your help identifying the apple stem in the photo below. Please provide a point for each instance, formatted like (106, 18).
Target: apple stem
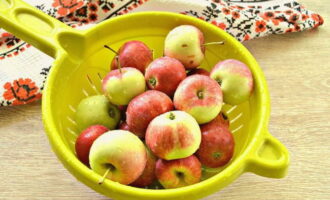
(213, 43)
(111, 49)
(119, 65)
(117, 56)
(103, 177)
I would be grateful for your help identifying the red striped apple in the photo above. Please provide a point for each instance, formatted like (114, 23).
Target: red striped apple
(85, 141)
(148, 176)
(235, 79)
(178, 173)
(185, 43)
(200, 96)
(217, 147)
(173, 135)
(119, 155)
(117, 85)
(164, 74)
(143, 108)
(134, 54)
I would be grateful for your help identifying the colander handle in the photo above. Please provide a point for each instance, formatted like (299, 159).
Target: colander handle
(32, 25)
(269, 159)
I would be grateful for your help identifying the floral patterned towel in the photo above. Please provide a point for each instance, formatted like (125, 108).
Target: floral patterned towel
(23, 69)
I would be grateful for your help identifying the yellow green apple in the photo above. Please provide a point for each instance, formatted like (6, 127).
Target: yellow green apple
(96, 110)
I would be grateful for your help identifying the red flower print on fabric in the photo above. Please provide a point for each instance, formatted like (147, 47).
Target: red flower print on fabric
(289, 30)
(21, 91)
(318, 19)
(235, 15)
(67, 6)
(276, 21)
(92, 7)
(297, 27)
(281, 18)
(92, 17)
(260, 26)
(315, 17)
(226, 11)
(293, 18)
(304, 17)
(270, 16)
(267, 15)
(222, 26)
(246, 37)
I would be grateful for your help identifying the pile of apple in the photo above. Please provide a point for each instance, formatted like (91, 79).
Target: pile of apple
(167, 113)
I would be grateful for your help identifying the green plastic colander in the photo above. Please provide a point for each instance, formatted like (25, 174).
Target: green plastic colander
(79, 54)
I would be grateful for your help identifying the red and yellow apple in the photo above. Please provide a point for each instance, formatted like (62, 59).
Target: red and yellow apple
(143, 108)
(121, 153)
(178, 173)
(164, 74)
(217, 146)
(235, 79)
(185, 43)
(200, 96)
(173, 135)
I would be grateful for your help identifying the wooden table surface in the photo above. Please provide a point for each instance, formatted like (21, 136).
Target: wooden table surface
(297, 69)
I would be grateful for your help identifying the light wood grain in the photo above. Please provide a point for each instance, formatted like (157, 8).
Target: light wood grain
(297, 69)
